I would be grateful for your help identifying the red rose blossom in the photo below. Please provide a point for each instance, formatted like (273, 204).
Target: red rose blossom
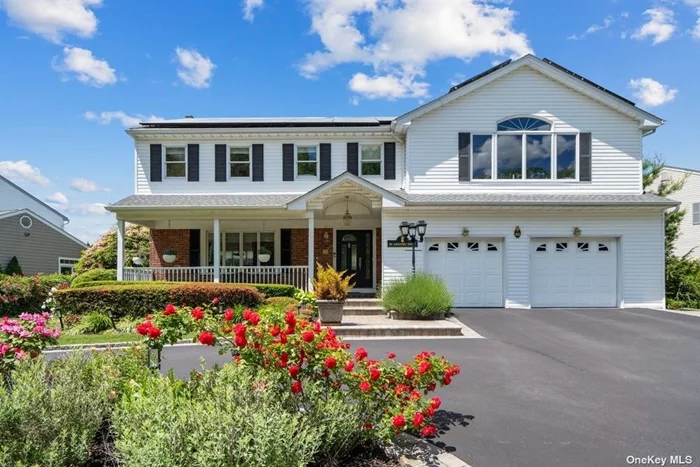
(398, 421)
(391, 355)
(317, 327)
(430, 430)
(215, 301)
(418, 420)
(169, 310)
(409, 372)
(308, 336)
(374, 374)
(360, 354)
(349, 365)
(283, 338)
(296, 387)
(435, 402)
(275, 331)
(253, 318)
(228, 314)
(206, 338)
(290, 318)
(331, 363)
(365, 386)
(424, 367)
(143, 328)
(430, 411)
(197, 314)
(154, 332)
(239, 329)
(240, 340)
(294, 371)
(447, 380)
(430, 386)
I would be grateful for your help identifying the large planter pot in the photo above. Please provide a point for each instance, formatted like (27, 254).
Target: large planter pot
(413, 317)
(169, 258)
(330, 311)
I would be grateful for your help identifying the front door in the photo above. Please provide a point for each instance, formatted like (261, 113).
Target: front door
(354, 254)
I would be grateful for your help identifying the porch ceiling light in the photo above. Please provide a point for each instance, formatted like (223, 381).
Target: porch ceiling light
(347, 218)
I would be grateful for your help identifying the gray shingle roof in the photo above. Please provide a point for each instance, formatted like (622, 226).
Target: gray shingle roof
(647, 199)
(210, 201)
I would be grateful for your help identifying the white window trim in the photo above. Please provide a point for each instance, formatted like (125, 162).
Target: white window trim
(696, 207)
(296, 161)
(165, 162)
(276, 257)
(381, 160)
(553, 148)
(67, 265)
(250, 161)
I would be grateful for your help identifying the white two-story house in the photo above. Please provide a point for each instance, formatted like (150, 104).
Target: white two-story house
(528, 176)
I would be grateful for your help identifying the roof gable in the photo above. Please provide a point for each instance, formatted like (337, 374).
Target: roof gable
(31, 196)
(548, 68)
(8, 214)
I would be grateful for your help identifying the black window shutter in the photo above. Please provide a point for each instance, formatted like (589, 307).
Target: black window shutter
(584, 154)
(465, 174)
(389, 161)
(353, 158)
(220, 163)
(258, 165)
(286, 247)
(195, 257)
(193, 162)
(287, 162)
(325, 161)
(156, 163)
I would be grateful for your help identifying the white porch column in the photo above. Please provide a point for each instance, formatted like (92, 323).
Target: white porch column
(217, 250)
(120, 249)
(311, 250)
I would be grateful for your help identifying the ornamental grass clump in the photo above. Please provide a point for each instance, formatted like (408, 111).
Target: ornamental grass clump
(421, 294)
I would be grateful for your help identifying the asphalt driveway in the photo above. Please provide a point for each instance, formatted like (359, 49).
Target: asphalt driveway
(558, 388)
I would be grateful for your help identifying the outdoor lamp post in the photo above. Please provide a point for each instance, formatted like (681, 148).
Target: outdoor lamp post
(413, 233)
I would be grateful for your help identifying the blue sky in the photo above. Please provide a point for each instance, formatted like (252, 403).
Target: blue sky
(75, 73)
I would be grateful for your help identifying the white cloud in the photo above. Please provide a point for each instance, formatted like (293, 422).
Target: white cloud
(86, 186)
(651, 92)
(661, 25)
(194, 69)
(402, 38)
(52, 19)
(22, 171)
(128, 121)
(57, 198)
(87, 68)
(592, 29)
(696, 29)
(249, 7)
(355, 100)
(388, 86)
(90, 209)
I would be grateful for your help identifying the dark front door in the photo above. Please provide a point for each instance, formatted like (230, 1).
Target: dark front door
(354, 254)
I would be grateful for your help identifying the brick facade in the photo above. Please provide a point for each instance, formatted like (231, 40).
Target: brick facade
(300, 247)
(323, 247)
(162, 239)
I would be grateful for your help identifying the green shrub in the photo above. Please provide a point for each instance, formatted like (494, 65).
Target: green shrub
(421, 294)
(331, 284)
(103, 253)
(269, 290)
(285, 303)
(13, 267)
(53, 412)
(94, 275)
(92, 323)
(682, 282)
(19, 294)
(138, 300)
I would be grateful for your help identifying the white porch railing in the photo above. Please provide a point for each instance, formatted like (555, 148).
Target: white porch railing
(288, 275)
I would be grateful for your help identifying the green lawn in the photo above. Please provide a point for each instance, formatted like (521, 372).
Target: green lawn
(98, 338)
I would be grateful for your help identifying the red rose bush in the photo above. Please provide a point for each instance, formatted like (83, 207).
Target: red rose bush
(310, 361)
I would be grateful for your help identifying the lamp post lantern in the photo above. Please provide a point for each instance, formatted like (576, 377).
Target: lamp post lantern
(413, 233)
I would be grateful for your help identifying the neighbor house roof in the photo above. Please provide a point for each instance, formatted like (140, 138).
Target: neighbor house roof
(19, 188)
(462, 199)
(276, 122)
(682, 169)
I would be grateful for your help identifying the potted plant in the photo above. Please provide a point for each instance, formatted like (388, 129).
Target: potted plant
(170, 255)
(263, 254)
(331, 288)
(137, 260)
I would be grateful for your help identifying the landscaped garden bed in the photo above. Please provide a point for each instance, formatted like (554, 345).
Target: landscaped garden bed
(293, 394)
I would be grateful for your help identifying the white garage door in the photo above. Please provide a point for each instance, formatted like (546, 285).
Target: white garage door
(472, 269)
(573, 272)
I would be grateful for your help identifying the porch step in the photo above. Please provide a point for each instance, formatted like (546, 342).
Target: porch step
(380, 326)
(363, 310)
(363, 302)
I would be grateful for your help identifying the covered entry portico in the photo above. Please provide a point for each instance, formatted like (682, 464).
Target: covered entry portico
(260, 238)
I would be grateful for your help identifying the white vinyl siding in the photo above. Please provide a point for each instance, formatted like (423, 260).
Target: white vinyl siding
(639, 235)
(689, 239)
(272, 167)
(696, 213)
(12, 199)
(432, 139)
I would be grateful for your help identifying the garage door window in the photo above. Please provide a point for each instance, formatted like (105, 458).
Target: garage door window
(583, 246)
(434, 247)
(453, 246)
(473, 246)
(542, 248)
(492, 247)
(562, 246)
(603, 247)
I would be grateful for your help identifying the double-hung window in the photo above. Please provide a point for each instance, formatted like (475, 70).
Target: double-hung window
(175, 162)
(696, 213)
(371, 159)
(307, 161)
(66, 265)
(239, 162)
(524, 148)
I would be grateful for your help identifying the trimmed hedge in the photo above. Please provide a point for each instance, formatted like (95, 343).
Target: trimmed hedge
(270, 290)
(138, 300)
(94, 275)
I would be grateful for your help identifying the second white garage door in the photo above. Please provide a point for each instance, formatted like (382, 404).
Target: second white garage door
(473, 270)
(573, 272)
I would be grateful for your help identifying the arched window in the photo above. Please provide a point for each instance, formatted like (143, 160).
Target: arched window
(524, 148)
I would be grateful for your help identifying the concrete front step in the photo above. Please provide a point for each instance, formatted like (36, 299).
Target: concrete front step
(381, 326)
(363, 302)
(363, 310)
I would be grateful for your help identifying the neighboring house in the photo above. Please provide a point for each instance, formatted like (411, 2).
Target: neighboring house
(34, 232)
(689, 239)
(529, 178)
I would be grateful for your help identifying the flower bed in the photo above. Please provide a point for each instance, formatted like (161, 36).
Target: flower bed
(19, 294)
